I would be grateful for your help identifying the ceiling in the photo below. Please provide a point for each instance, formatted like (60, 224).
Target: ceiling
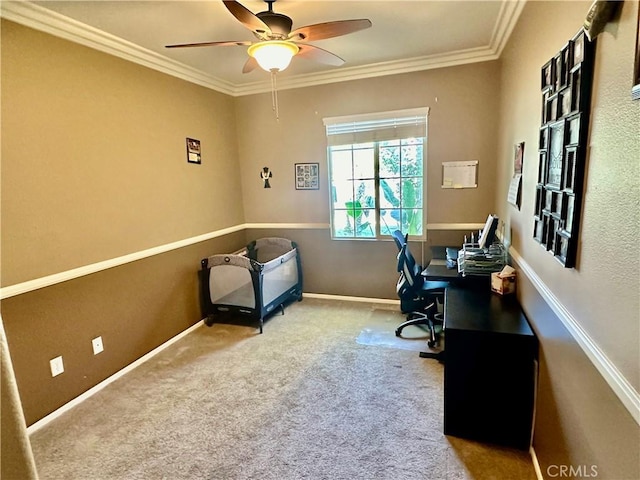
(405, 36)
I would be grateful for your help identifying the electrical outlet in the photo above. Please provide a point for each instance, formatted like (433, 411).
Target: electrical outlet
(57, 367)
(97, 345)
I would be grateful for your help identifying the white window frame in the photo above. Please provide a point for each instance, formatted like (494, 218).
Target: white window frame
(378, 127)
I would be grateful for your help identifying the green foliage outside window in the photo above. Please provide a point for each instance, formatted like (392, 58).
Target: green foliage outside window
(377, 188)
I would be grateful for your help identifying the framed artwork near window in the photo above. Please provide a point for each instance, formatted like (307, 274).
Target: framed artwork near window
(307, 176)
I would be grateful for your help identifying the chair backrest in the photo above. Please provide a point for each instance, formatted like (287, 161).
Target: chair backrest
(399, 238)
(410, 271)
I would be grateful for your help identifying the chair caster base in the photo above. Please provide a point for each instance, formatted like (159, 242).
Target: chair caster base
(434, 355)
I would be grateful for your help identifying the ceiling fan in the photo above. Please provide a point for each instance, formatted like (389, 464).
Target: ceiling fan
(277, 43)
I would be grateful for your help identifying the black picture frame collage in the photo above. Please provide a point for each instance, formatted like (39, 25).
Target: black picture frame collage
(566, 81)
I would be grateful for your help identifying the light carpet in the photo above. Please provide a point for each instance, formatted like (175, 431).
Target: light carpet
(304, 400)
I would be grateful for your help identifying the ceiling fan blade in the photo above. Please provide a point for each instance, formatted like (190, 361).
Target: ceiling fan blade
(319, 55)
(246, 17)
(208, 44)
(250, 65)
(320, 31)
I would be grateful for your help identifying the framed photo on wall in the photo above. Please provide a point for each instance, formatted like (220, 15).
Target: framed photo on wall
(193, 151)
(566, 100)
(307, 176)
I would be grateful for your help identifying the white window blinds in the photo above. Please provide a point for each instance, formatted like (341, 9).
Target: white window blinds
(376, 127)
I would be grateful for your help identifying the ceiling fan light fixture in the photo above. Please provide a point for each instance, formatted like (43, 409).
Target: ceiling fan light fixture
(273, 55)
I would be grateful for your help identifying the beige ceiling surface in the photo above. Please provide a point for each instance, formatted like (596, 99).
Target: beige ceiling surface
(405, 35)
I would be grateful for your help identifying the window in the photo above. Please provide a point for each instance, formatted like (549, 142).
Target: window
(376, 174)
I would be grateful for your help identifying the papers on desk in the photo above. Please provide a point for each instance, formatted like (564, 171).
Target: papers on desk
(481, 261)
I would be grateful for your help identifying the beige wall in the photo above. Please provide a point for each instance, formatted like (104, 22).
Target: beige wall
(94, 167)
(94, 157)
(134, 308)
(105, 175)
(580, 421)
(610, 218)
(463, 118)
(463, 104)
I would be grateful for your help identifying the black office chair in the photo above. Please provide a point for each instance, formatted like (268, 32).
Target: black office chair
(418, 297)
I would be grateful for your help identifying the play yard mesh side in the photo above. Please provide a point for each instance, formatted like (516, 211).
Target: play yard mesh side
(267, 275)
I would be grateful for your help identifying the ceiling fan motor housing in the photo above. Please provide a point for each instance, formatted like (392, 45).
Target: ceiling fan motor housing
(277, 45)
(279, 24)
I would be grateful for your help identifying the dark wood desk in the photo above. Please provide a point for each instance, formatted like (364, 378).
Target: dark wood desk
(439, 271)
(490, 368)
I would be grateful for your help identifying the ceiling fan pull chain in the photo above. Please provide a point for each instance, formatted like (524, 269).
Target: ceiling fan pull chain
(278, 44)
(274, 94)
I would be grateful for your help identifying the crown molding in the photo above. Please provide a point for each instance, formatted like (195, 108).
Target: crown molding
(507, 19)
(344, 74)
(42, 19)
(53, 23)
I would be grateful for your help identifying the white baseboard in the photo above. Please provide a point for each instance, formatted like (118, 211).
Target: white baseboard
(352, 299)
(92, 391)
(536, 465)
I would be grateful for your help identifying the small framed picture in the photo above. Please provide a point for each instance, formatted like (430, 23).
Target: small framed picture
(548, 76)
(518, 158)
(578, 47)
(193, 151)
(307, 176)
